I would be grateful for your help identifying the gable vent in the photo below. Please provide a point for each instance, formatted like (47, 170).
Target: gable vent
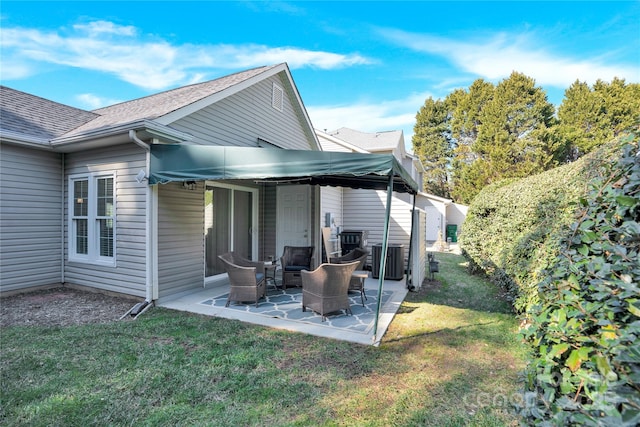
(277, 97)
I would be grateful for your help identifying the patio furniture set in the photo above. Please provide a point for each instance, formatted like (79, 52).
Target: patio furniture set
(324, 289)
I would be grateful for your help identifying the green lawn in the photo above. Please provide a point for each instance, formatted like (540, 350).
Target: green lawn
(451, 357)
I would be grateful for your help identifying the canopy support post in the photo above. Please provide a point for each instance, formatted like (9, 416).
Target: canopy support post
(383, 255)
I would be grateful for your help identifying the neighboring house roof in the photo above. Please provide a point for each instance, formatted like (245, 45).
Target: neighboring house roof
(340, 142)
(439, 199)
(38, 118)
(372, 142)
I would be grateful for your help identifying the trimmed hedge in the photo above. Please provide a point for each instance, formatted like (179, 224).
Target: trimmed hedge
(513, 229)
(585, 363)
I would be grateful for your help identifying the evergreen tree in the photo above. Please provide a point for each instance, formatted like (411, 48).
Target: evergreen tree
(513, 138)
(432, 143)
(589, 117)
(466, 108)
(487, 133)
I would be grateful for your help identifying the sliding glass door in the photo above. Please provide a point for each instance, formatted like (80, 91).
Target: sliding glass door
(230, 223)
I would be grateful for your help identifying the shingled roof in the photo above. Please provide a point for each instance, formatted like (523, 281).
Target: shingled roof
(36, 117)
(154, 106)
(372, 142)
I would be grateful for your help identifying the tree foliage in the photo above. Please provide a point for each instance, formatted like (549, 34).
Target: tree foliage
(431, 141)
(510, 140)
(565, 245)
(509, 130)
(585, 367)
(589, 116)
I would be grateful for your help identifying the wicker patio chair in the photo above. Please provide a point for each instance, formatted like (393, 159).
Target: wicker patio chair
(360, 255)
(294, 260)
(246, 278)
(325, 289)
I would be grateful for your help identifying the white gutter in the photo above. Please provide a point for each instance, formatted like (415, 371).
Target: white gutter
(148, 220)
(17, 138)
(101, 133)
(62, 204)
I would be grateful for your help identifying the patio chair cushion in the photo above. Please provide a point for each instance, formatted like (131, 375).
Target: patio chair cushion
(294, 260)
(296, 267)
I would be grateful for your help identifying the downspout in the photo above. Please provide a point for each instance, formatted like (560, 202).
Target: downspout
(140, 308)
(383, 255)
(409, 276)
(62, 204)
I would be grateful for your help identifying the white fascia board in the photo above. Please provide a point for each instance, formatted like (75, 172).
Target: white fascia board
(305, 114)
(17, 138)
(141, 125)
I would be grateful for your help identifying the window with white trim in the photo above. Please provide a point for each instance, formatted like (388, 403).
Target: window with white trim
(92, 218)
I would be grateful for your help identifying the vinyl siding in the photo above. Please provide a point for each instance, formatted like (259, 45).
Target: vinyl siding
(30, 218)
(241, 119)
(331, 202)
(180, 239)
(129, 274)
(366, 210)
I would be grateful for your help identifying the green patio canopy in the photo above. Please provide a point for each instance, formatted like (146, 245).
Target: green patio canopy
(355, 170)
(176, 162)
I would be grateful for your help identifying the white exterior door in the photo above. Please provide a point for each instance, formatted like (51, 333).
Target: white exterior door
(434, 222)
(293, 221)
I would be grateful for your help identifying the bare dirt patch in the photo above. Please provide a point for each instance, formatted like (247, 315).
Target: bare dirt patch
(62, 306)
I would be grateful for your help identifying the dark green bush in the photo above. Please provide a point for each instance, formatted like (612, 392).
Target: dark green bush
(585, 363)
(513, 228)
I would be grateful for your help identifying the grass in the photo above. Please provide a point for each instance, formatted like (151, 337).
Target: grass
(451, 357)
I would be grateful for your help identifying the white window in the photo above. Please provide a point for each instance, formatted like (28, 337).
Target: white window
(92, 218)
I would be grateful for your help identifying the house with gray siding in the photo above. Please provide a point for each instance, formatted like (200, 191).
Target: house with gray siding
(76, 207)
(80, 204)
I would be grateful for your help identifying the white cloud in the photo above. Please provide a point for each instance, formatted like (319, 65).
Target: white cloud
(91, 102)
(147, 62)
(105, 27)
(497, 56)
(297, 58)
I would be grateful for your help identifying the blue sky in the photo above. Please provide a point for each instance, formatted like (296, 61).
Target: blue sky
(366, 65)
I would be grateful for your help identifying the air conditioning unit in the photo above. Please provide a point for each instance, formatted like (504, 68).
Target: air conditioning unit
(394, 268)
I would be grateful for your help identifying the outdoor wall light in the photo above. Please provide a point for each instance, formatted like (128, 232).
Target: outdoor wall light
(141, 176)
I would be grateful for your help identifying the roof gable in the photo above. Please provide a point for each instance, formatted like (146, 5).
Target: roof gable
(171, 102)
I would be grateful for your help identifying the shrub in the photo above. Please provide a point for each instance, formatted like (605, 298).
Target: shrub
(513, 229)
(585, 364)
